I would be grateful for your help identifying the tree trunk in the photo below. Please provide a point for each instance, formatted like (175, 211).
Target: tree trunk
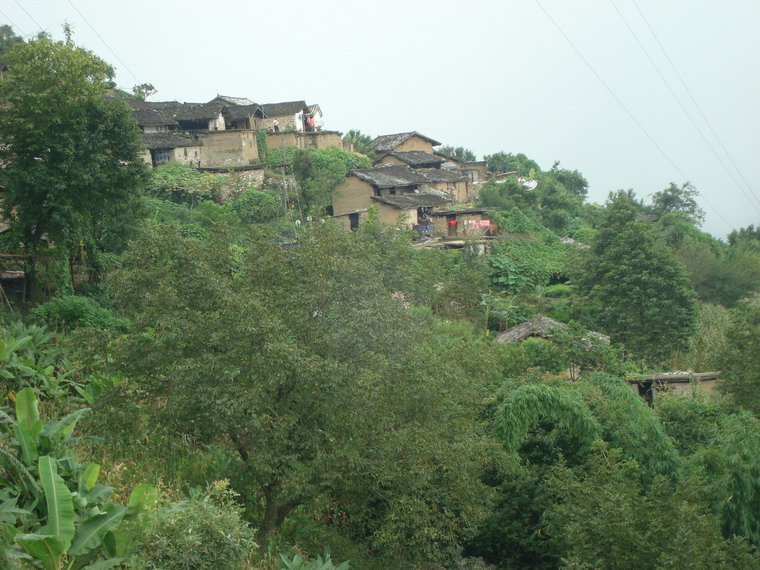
(274, 512)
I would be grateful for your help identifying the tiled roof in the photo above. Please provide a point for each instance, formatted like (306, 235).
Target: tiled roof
(182, 111)
(233, 100)
(145, 117)
(390, 176)
(442, 174)
(427, 197)
(388, 143)
(416, 158)
(169, 140)
(282, 109)
(243, 111)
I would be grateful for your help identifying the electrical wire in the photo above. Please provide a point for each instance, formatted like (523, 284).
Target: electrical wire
(124, 65)
(750, 197)
(28, 14)
(628, 112)
(13, 24)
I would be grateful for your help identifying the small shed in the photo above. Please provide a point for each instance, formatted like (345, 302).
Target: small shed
(538, 326)
(679, 382)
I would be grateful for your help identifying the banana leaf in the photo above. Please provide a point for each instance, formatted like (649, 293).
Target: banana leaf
(60, 504)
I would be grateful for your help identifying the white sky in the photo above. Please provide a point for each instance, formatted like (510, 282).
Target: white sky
(488, 75)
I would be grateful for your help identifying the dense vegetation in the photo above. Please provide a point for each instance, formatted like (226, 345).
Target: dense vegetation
(259, 389)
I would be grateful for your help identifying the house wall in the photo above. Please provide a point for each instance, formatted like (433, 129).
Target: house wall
(186, 155)
(415, 143)
(468, 225)
(222, 149)
(352, 195)
(457, 190)
(156, 129)
(217, 124)
(388, 159)
(395, 217)
(319, 139)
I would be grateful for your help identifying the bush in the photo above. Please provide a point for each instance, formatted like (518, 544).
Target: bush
(72, 311)
(206, 531)
(254, 206)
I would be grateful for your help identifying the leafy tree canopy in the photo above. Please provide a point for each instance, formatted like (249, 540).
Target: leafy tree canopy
(681, 199)
(645, 300)
(72, 156)
(459, 153)
(508, 162)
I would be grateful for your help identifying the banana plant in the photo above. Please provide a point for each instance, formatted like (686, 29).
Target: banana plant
(60, 513)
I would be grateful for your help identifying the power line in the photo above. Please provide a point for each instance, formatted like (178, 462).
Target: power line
(13, 23)
(704, 117)
(124, 65)
(28, 14)
(628, 112)
(749, 197)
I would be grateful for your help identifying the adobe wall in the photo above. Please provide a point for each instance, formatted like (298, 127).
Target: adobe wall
(223, 149)
(186, 155)
(388, 159)
(352, 195)
(318, 139)
(415, 143)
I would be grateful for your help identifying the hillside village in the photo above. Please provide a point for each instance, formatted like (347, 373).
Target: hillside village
(283, 348)
(409, 180)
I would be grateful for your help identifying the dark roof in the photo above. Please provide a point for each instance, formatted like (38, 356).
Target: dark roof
(182, 111)
(145, 117)
(233, 100)
(464, 211)
(678, 377)
(442, 174)
(198, 111)
(427, 197)
(238, 112)
(416, 158)
(388, 143)
(390, 176)
(538, 326)
(169, 140)
(282, 109)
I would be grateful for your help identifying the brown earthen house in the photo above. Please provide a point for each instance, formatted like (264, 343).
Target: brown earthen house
(221, 133)
(402, 195)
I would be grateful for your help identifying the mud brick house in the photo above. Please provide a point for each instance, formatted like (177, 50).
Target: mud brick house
(292, 116)
(412, 159)
(401, 142)
(402, 195)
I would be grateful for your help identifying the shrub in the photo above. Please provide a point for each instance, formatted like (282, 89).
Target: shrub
(72, 311)
(205, 531)
(255, 206)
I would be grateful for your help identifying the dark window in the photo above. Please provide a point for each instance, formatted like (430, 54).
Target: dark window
(159, 156)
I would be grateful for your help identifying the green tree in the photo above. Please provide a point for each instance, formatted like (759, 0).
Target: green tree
(643, 293)
(71, 155)
(508, 162)
(143, 91)
(319, 171)
(573, 181)
(360, 141)
(740, 359)
(681, 199)
(8, 38)
(302, 363)
(183, 184)
(458, 153)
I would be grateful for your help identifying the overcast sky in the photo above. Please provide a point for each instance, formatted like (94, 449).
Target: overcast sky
(554, 79)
